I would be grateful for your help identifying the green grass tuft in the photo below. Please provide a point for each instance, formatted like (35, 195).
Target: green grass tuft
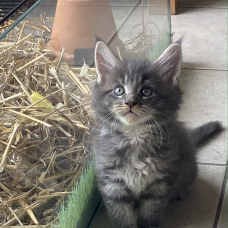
(71, 211)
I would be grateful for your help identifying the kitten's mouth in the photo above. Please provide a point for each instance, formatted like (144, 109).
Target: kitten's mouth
(130, 113)
(129, 118)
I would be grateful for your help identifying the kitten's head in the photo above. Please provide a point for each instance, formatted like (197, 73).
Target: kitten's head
(134, 91)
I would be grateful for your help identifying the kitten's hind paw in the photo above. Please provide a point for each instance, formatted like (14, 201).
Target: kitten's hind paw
(180, 195)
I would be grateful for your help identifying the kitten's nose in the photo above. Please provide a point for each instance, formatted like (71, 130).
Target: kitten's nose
(131, 103)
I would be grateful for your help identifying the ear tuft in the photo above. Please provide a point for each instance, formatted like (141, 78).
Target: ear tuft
(105, 61)
(169, 63)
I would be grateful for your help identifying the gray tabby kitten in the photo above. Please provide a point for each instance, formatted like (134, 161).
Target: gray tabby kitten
(143, 155)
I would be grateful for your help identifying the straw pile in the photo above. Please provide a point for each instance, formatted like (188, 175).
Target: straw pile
(144, 41)
(44, 121)
(5, 25)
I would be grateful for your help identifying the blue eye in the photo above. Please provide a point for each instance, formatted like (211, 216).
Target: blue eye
(146, 92)
(119, 91)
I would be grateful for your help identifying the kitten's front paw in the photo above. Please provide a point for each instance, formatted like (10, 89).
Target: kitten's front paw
(149, 226)
(180, 195)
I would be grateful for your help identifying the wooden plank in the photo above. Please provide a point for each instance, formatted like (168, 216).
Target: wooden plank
(174, 6)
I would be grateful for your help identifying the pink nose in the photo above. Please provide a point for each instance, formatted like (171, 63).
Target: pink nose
(131, 104)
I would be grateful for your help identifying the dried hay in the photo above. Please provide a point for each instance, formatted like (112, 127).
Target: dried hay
(143, 42)
(44, 121)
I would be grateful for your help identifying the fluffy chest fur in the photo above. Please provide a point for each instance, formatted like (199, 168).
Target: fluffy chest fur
(138, 174)
(137, 135)
(138, 168)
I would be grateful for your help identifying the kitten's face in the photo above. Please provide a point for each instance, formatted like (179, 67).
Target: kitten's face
(131, 96)
(133, 91)
(128, 107)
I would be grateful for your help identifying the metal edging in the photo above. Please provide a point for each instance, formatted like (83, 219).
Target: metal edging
(20, 18)
(95, 214)
(14, 10)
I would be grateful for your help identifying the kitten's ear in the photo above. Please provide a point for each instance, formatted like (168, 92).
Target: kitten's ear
(169, 63)
(105, 61)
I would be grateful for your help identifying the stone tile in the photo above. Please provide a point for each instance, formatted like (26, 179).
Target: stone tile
(204, 100)
(205, 37)
(101, 220)
(223, 215)
(204, 3)
(199, 208)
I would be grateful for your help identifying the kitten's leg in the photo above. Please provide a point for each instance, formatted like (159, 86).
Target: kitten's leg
(185, 179)
(150, 212)
(118, 202)
(121, 214)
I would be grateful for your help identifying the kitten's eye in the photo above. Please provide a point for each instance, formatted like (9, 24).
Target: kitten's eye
(119, 91)
(146, 92)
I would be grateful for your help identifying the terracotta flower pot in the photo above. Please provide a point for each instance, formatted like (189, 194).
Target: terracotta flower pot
(76, 24)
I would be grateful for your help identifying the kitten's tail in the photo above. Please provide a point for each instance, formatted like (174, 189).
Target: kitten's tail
(206, 131)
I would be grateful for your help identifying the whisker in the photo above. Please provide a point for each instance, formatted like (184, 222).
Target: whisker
(98, 124)
(166, 128)
(156, 102)
(113, 125)
(163, 114)
(160, 129)
(151, 132)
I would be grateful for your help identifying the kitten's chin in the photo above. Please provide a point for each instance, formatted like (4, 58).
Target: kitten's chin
(130, 119)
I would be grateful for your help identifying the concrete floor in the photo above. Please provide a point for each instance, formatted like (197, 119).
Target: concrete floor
(204, 83)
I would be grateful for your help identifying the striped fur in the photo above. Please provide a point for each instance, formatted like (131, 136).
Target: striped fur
(143, 155)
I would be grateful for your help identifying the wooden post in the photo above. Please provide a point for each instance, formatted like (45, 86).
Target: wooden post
(174, 6)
